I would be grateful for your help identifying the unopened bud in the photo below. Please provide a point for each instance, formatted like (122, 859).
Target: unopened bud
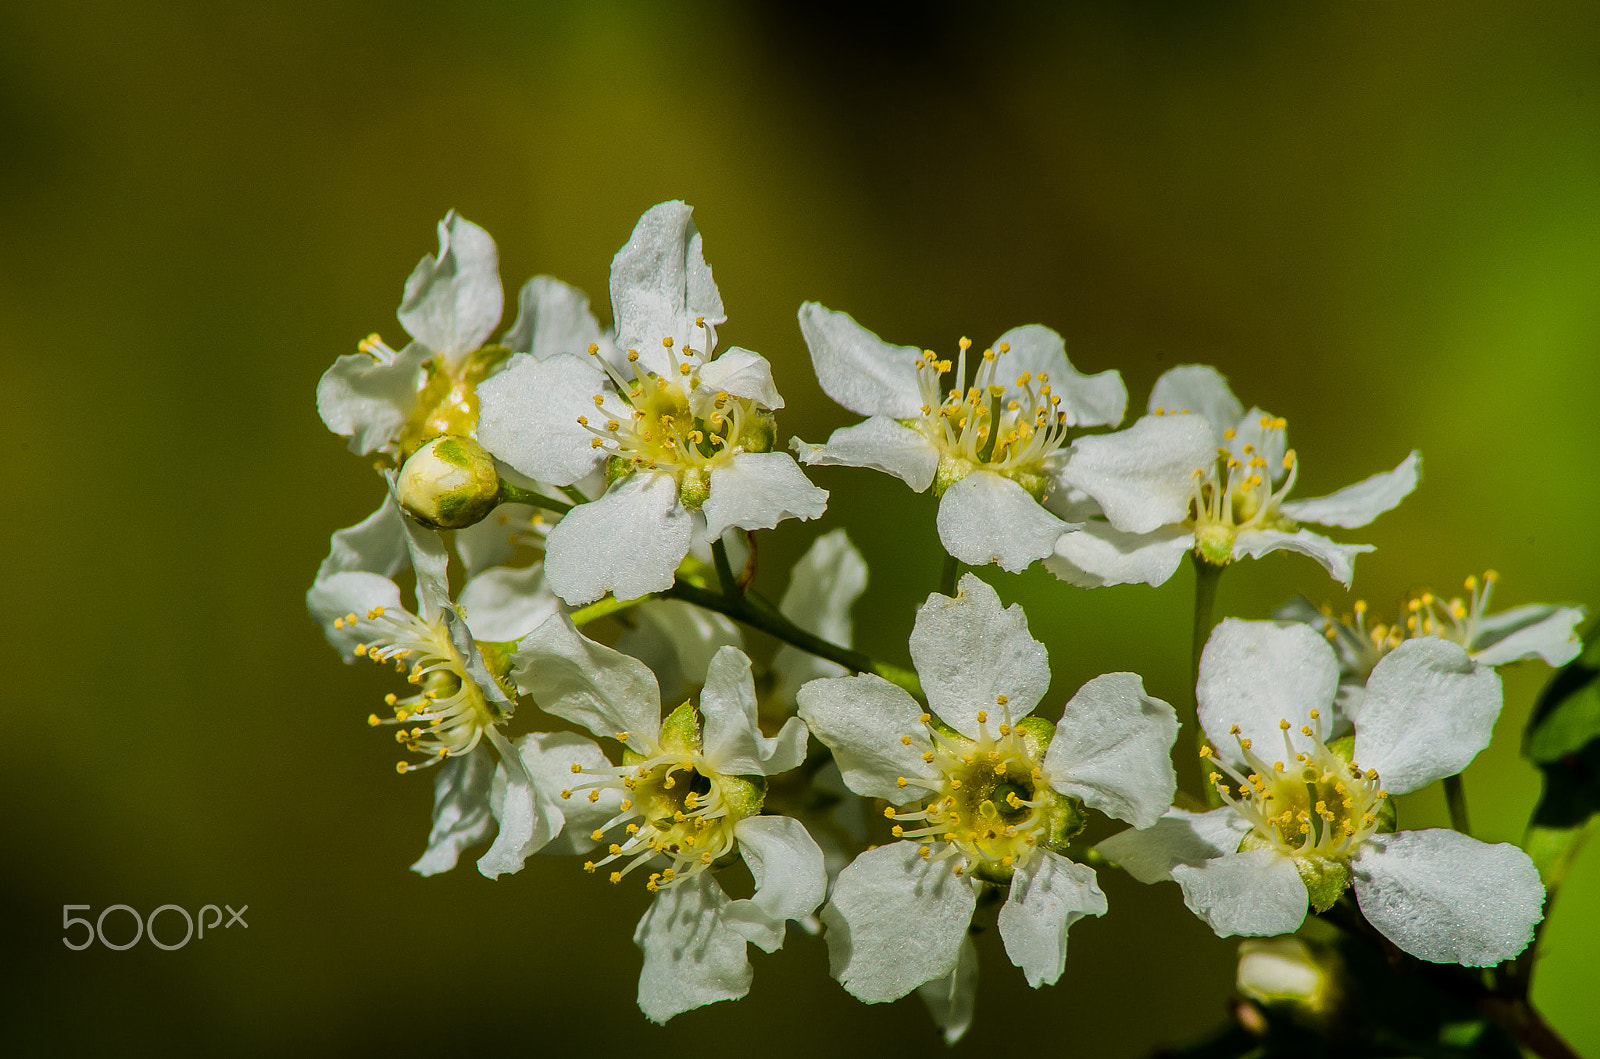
(1285, 971)
(449, 483)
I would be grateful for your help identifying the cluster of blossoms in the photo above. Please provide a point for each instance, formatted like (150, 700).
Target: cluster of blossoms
(594, 493)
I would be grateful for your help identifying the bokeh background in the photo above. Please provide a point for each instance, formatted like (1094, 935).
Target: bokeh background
(1380, 220)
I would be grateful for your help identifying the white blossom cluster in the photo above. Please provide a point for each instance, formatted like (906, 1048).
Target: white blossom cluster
(569, 477)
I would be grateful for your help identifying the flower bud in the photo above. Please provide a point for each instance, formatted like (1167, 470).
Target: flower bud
(449, 483)
(1285, 971)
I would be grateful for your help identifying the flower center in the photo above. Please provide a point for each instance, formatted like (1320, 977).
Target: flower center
(449, 715)
(981, 427)
(1236, 493)
(447, 400)
(1421, 614)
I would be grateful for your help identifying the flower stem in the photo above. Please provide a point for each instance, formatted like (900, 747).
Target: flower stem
(515, 494)
(730, 585)
(1206, 577)
(604, 608)
(949, 575)
(1455, 793)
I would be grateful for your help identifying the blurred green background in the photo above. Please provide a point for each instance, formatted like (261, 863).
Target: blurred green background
(1382, 221)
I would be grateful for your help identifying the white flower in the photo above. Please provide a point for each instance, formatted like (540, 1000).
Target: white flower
(684, 437)
(458, 705)
(1305, 819)
(993, 453)
(998, 795)
(1196, 475)
(823, 586)
(688, 797)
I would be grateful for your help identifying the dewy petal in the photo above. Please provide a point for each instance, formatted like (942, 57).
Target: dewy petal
(661, 285)
(1201, 389)
(895, 922)
(629, 542)
(528, 416)
(1536, 630)
(1113, 750)
(692, 956)
(1256, 893)
(758, 490)
(1143, 477)
(506, 602)
(969, 650)
(354, 592)
(572, 677)
(987, 518)
(525, 825)
(1098, 554)
(1048, 894)
(823, 586)
(461, 816)
(376, 544)
(952, 999)
(369, 401)
(1088, 400)
(1359, 504)
(858, 369)
(1447, 898)
(1179, 837)
(553, 317)
(861, 719)
(880, 443)
(790, 882)
(733, 743)
(549, 757)
(1338, 559)
(1429, 709)
(738, 373)
(453, 301)
(1255, 674)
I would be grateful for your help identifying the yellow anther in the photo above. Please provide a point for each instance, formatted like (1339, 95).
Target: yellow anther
(983, 717)
(372, 719)
(1205, 751)
(965, 343)
(361, 650)
(905, 740)
(684, 369)
(616, 876)
(1245, 744)
(1315, 714)
(594, 796)
(927, 755)
(1233, 729)
(1001, 700)
(925, 718)
(900, 781)
(1283, 725)
(402, 768)
(575, 768)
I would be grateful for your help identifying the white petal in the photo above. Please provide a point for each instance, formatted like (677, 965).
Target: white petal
(677, 641)
(952, 999)
(506, 603)
(355, 592)
(1359, 504)
(1048, 895)
(369, 401)
(1429, 709)
(1113, 750)
(733, 743)
(1099, 554)
(1338, 559)
(528, 416)
(758, 490)
(491, 542)
(790, 882)
(376, 544)
(861, 719)
(880, 443)
(553, 317)
(969, 650)
(1179, 837)
(629, 542)
(571, 676)
(1088, 400)
(692, 957)
(1255, 674)
(549, 757)
(453, 301)
(1536, 630)
(661, 285)
(823, 586)
(987, 518)
(858, 369)
(461, 816)
(431, 564)
(1256, 893)
(895, 922)
(1447, 898)
(1202, 390)
(525, 825)
(1143, 477)
(739, 373)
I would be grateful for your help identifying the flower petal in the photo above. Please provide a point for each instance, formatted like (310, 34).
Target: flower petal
(1048, 895)
(661, 286)
(1179, 837)
(987, 518)
(1255, 674)
(1143, 477)
(733, 743)
(461, 816)
(355, 592)
(1255, 893)
(1536, 630)
(1113, 750)
(738, 373)
(1447, 898)
(880, 443)
(549, 757)
(629, 542)
(572, 677)
(969, 651)
(1429, 709)
(790, 882)
(823, 586)
(376, 544)
(1338, 559)
(895, 922)
(862, 719)
(858, 369)
(454, 300)
(1359, 504)
(528, 416)
(758, 490)
(1202, 390)
(494, 541)
(369, 401)
(525, 825)
(692, 956)
(431, 563)
(506, 602)
(951, 1000)
(677, 640)
(1088, 400)
(554, 317)
(1098, 554)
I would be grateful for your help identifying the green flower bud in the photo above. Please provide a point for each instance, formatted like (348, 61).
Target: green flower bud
(694, 487)
(449, 483)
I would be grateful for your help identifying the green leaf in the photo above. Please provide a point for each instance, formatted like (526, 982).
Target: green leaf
(1566, 718)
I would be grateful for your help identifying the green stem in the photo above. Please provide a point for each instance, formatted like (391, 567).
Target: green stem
(606, 607)
(1206, 577)
(574, 494)
(1455, 793)
(725, 578)
(515, 494)
(949, 575)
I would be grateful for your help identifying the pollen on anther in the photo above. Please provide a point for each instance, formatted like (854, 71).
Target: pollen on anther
(905, 740)
(900, 781)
